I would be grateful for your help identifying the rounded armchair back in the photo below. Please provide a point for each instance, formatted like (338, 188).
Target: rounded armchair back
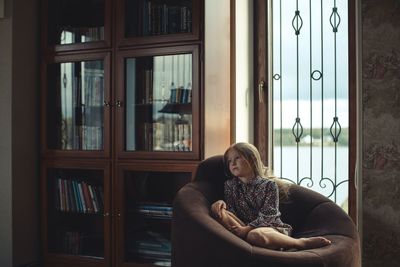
(195, 232)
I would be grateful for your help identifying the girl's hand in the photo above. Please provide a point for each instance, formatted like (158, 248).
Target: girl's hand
(241, 231)
(217, 208)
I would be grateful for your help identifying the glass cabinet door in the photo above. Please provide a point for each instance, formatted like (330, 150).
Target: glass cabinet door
(77, 222)
(77, 22)
(161, 104)
(75, 111)
(145, 208)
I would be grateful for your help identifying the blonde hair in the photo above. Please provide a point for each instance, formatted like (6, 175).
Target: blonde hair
(251, 155)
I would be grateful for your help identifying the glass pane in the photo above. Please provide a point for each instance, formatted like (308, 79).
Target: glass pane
(75, 217)
(157, 17)
(310, 95)
(149, 197)
(75, 105)
(159, 103)
(75, 21)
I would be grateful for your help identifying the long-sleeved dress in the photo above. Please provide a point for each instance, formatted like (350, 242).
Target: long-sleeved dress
(256, 203)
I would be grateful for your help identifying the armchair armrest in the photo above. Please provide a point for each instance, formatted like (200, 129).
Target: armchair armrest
(197, 238)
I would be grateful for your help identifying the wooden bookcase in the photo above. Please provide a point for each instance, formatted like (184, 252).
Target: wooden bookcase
(121, 126)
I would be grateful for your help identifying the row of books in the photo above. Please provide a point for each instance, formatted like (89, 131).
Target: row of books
(154, 211)
(73, 242)
(168, 136)
(180, 95)
(89, 137)
(82, 106)
(80, 243)
(165, 19)
(151, 245)
(71, 35)
(78, 196)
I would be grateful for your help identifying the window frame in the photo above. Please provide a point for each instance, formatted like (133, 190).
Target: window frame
(262, 112)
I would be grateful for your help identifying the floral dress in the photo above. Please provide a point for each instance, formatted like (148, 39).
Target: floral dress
(256, 203)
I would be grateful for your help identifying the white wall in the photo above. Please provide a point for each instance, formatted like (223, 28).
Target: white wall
(25, 128)
(217, 77)
(244, 71)
(19, 183)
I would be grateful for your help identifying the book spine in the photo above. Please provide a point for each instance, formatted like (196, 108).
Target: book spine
(82, 198)
(61, 200)
(76, 192)
(65, 193)
(69, 194)
(87, 197)
(92, 198)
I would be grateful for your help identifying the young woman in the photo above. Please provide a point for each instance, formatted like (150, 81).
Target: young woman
(251, 206)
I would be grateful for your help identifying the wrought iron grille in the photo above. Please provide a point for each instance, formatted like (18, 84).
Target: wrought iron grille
(309, 96)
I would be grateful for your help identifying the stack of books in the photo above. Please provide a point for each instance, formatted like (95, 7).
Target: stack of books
(152, 246)
(155, 211)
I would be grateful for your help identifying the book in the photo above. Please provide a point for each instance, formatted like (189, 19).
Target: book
(88, 202)
(84, 208)
(77, 196)
(151, 245)
(155, 211)
(92, 198)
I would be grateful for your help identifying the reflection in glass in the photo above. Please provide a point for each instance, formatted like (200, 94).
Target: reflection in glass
(159, 103)
(149, 17)
(75, 105)
(76, 21)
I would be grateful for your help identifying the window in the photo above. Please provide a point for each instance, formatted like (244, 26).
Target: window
(306, 88)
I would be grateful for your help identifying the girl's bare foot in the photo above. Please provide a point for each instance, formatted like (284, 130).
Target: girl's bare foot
(313, 242)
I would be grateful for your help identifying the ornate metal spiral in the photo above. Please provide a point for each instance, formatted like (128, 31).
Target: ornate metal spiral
(310, 182)
(322, 184)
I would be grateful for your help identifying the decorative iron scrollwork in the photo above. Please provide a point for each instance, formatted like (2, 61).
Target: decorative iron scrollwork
(295, 22)
(334, 19)
(336, 129)
(316, 75)
(277, 76)
(297, 130)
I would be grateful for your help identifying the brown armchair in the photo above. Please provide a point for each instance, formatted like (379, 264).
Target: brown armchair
(199, 240)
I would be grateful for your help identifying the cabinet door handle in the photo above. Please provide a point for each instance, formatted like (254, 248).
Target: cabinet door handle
(261, 86)
(107, 103)
(106, 214)
(118, 103)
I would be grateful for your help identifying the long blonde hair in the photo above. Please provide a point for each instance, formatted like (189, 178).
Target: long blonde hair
(251, 155)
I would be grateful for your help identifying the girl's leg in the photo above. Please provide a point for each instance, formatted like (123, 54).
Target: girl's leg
(270, 238)
(228, 219)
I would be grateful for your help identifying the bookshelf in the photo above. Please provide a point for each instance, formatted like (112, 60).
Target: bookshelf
(77, 203)
(145, 210)
(121, 127)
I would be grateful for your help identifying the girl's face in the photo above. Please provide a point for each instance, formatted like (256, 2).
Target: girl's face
(238, 166)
